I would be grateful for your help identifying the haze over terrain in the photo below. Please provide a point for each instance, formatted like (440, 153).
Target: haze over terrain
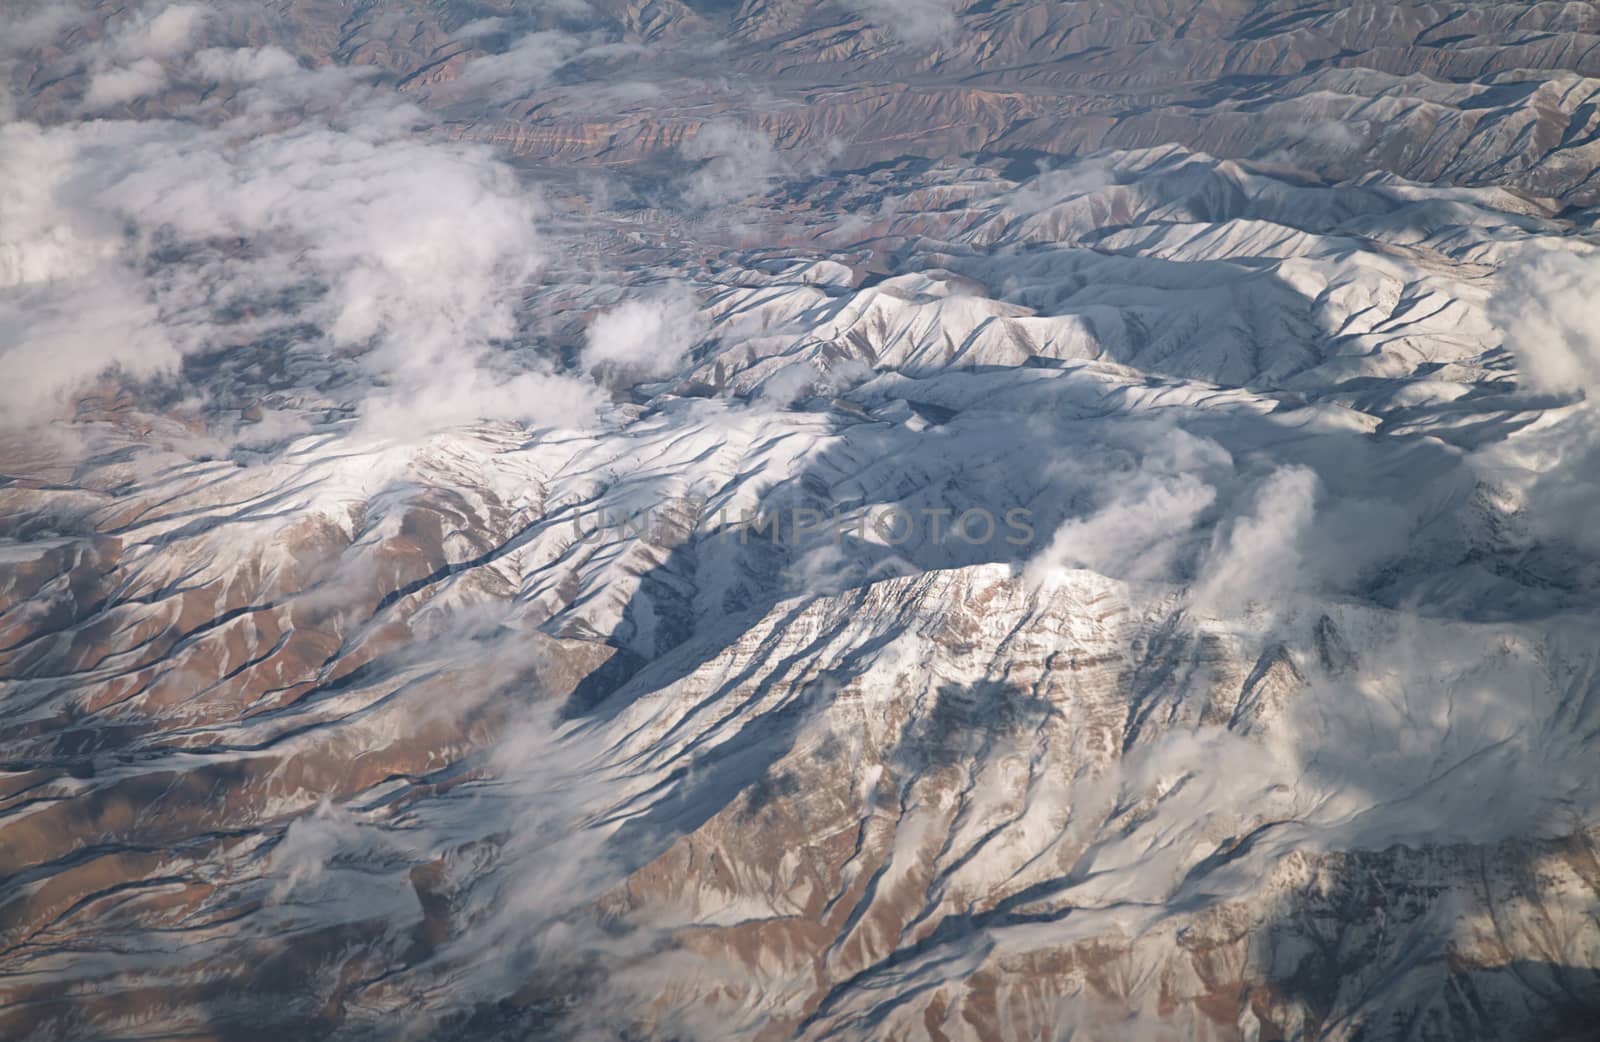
(493, 496)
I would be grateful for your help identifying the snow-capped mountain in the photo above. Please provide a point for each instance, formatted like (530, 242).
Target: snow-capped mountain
(865, 520)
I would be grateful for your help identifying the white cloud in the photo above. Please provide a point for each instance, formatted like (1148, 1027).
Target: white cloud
(1545, 476)
(1149, 485)
(117, 86)
(68, 309)
(30, 25)
(159, 32)
(786, 385)
(914, 21)
(1257, 557)
(1163, 504)
(311, 210)
(480, 27)
(124, 66)
(247, 65)
(1546, 306)
(1138, 534)
(646, 337)
(735, 162)
(529, 63)
(1051, 187)
(1289, 538)
(310, 847)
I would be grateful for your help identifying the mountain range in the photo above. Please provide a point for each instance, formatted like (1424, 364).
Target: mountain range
(758, 520)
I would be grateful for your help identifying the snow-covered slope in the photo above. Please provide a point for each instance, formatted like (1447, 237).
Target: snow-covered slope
(1099, 551)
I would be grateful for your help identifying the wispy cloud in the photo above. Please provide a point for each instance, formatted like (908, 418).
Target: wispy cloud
(308, 211)
(734, 162)
(1546, 308)
(645, 337)
(919, 22)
